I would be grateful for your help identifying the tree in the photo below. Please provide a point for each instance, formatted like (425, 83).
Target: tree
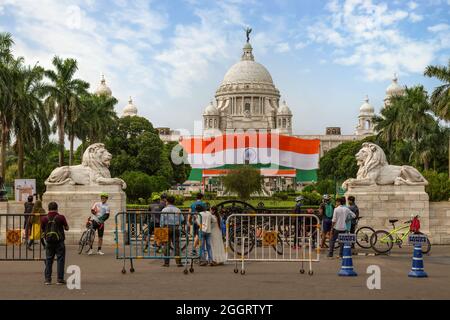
(97, 121)
(180, 172)
(244, 181)
(440, 99)
(30, 121)
(64, 94)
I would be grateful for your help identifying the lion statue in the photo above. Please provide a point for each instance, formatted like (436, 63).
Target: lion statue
(92, 171)
(375, 170)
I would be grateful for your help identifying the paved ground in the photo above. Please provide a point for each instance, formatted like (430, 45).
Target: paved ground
(102, 279)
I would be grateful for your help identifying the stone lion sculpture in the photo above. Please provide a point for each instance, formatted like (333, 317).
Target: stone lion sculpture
(92, 171)
(375, 170)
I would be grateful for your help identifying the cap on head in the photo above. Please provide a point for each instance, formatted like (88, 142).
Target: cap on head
(104, 195)
(299, 198)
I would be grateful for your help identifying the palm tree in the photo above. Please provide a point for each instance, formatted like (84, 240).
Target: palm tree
(30, 122)
(98, 119)
(408, 120)
(440, 99)
(63, 95)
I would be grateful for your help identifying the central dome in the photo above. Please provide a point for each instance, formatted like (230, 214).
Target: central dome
(247, 71)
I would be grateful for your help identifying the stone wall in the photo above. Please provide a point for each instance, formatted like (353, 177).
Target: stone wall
(440, 222)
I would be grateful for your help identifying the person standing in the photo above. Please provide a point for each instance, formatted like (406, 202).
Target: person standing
(153, 219)
(352, 206)
(100, 212)
(298, 221)
(35, 220)
(28, 210)
(206, 222)
(191, 220)
(172, 218)
(53, 226)
(326, 210)
(340, 216)
(217, 247)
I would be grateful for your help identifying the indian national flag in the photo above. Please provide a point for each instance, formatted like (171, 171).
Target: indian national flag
(274, 154)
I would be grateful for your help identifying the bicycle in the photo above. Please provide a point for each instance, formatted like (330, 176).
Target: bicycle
(87, 239)
(382, 241)
(363, 235)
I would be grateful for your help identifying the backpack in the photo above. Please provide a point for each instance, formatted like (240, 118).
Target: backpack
(52, 233)
(329, 210)
(415, 225)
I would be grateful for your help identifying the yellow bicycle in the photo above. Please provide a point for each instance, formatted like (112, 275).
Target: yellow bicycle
(382, 241)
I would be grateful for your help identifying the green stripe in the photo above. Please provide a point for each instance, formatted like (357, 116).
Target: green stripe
(302, 175)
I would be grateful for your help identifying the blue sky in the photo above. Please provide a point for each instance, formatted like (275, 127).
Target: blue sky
(171, 55)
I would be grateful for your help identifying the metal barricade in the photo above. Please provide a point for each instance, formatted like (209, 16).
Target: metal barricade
(273, 238)
(20, 238)
(157, 236)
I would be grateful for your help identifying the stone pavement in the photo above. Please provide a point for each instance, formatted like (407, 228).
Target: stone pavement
(101, 278)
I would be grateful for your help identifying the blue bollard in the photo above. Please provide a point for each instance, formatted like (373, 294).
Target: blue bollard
(347, 262)
(417, 270)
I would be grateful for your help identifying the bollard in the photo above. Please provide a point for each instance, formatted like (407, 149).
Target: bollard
(417, 270)
(347, 260)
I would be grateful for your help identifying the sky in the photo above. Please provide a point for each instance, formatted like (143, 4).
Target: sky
(170, 56)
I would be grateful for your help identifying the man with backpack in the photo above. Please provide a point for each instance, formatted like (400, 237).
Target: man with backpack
(53, 226)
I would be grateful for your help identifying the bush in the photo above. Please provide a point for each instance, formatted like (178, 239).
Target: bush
(141, 185)
(311, 198)
(438, 188)
(281, 196)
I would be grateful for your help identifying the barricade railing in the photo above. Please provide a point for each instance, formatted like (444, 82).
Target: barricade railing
(20, 238)
(158, 236)
(273, 238)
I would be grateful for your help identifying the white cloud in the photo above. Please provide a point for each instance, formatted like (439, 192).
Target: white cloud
(439, 27)
(283, 47)
(367, 35)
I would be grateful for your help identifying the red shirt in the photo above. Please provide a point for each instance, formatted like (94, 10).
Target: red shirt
(60, 220)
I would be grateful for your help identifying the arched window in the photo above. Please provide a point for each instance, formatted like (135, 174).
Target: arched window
(279, 123)
(284, 123)
(247, 107)
(367, 125)
(210, 123)
(206, 123)
(215, 123)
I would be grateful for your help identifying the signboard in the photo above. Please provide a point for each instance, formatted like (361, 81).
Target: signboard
(347, 238)
(24, 188)
(269, 238)
(162, 235)
(417, 239)
(13, 237)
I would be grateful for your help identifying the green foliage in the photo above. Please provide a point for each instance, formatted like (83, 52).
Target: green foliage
(281, 196)
(141, 185)
(339, 163)
(311, 198)
(180, 172)
(439, 185)
(243, 181)
(326, 186)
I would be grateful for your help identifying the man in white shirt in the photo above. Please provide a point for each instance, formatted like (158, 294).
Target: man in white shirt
(341, 215)
(100, 212)
(206, 235)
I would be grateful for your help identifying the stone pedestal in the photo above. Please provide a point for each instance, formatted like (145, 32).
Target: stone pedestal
(378, 204)
(75, 203)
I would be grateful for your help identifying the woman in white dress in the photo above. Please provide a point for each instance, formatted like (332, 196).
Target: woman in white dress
(217, 246)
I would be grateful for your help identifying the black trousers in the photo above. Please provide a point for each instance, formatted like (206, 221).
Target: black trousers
(333, 239)
(51, 250)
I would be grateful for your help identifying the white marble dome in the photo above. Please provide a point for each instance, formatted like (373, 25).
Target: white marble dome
(211, 110)
(130, 109)
(394, 88)
(284, 110)
(247, 71)
(103, 89)
(366, 107)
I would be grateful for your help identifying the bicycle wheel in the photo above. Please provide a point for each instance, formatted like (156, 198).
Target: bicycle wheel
(426, 248)
(82, 242)
(363, 236)
(381, 241)
(279, 247)
(90, 239)
(237, 242)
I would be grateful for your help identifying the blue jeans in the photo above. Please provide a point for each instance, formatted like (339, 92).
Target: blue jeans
(206, 247)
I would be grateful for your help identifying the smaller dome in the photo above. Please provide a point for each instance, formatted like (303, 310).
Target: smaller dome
(394, 88)
(130, 109)
(284, 110)
(103, 89)
(211, 110)
(366, 107)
